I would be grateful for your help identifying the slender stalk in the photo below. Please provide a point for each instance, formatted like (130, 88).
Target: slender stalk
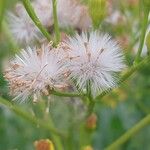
(2, 10)
(90, 108)
(90, 98)
(56, 138)
(143, 33)
(56, 26)
(131, 132)
(57, 93)
(33, 16)
(130, 71)
(30, 118)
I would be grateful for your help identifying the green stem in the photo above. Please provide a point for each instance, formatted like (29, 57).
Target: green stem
(90, 108)
(30, 118)
(2, 10)
(143, 32)
(131, 132)
(91, 100)
(130, 71)
(56, 26)
(57, 93)
(35, 19)
(56, 138)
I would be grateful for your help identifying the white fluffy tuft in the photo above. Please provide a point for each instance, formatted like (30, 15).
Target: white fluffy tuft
(32, 71)
(95, 58)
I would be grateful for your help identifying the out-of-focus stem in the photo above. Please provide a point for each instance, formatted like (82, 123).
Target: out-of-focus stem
(131, 132)
(91, 100)
(127, 75)
(30, 118)
(142, 38)
(64, 94)
(9, 36)
(143, 108)
(2, 10)
(33, 16)
(56, 138)
(56, 26)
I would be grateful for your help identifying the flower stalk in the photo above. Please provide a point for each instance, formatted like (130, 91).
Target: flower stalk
(30, 118)
(2, 10)
(64, 94)
(130, 133)
(56, 26)
(142, 38)
(90, 98)
(35, 19)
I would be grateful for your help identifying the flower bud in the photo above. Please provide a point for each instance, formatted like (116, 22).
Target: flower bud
(91, 121)
(88, 147)
(44, 144)
(97, 10)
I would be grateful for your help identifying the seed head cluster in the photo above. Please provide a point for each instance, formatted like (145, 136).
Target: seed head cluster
(89, 57)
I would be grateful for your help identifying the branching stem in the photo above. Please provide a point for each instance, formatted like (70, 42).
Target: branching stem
(143, 33)
(130, 133)
(56, 26)
(30, 118)
(35, 19)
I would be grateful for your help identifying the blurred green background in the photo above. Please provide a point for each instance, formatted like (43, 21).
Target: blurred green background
(116, 113)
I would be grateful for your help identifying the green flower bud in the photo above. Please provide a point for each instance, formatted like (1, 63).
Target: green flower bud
(97, 10)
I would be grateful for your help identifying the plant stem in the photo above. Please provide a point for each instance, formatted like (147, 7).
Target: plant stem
(131, 132)
(35, 19)
(2, 10)
(56, 26)
(91, 100)
(57, 93)
(90, 108)
(130, 71)
(56, 138)
(143, 32)
(30, 118)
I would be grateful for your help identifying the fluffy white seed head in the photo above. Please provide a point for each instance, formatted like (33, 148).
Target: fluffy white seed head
(72, 13)
(23, 28)
(32, 71)
(95, 58)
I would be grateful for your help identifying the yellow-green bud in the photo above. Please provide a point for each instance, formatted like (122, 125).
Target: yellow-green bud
(44, 144)
(97, 10)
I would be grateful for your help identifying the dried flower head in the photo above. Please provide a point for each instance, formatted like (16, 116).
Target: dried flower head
(95, 58)
(32, 71)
